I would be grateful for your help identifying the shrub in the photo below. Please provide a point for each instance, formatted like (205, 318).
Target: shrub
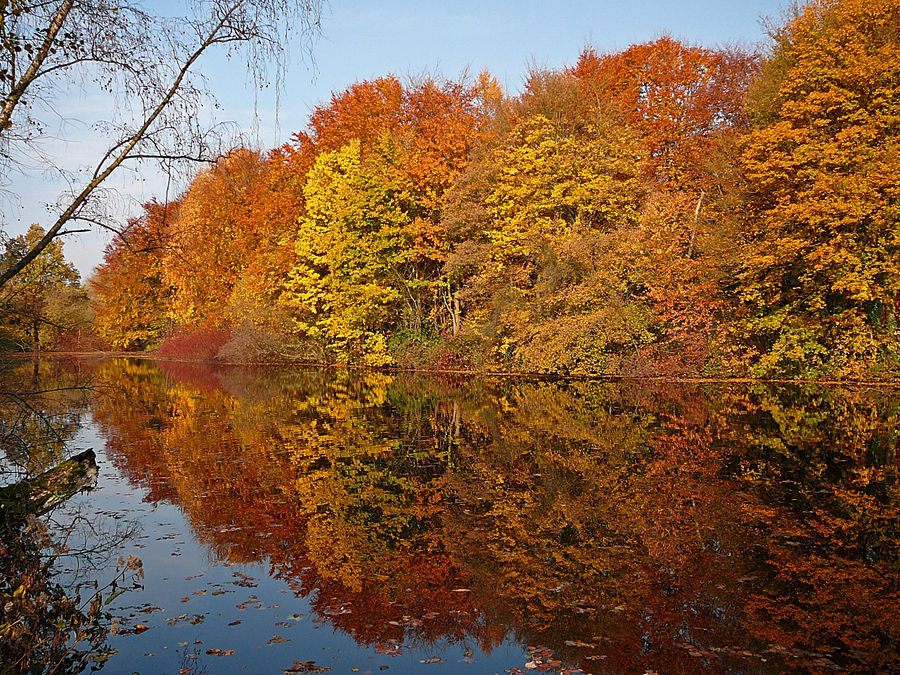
(201, 344)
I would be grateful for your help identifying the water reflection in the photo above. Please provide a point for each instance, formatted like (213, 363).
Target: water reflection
(52, 616)
(620, 527)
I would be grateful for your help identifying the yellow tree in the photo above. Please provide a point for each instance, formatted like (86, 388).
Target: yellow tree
(25, 301)
(348, 282)
(552, 275)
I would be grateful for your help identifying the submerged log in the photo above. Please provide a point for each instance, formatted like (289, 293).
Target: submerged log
(50, 489)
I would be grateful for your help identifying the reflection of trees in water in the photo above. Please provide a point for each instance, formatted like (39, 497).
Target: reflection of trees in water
(41, 403)
(51, 620)
(622, 525)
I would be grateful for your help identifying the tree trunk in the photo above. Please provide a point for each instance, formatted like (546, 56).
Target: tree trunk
(48, 490)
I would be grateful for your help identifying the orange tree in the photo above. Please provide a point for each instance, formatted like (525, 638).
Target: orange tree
(130, 296)
(820, 280)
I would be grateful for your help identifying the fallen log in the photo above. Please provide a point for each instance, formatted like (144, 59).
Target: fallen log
(45, 491)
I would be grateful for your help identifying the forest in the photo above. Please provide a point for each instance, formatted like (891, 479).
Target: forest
(665, 210)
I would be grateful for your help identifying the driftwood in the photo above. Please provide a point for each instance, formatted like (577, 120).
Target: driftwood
(50, 489)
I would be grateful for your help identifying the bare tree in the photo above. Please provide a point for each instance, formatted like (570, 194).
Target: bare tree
(145, 63)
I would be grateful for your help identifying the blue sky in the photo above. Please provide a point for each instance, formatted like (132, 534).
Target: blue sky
(363, 39)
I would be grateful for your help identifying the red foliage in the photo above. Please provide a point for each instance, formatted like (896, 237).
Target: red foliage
(200, 344)
(453, 354)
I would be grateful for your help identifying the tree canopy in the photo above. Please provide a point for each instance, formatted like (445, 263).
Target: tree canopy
(666, 209)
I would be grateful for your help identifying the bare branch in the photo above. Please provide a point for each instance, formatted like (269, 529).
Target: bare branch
(19, 89)
(144, 63)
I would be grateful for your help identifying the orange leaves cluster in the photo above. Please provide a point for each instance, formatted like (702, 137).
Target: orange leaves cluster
(678, 98)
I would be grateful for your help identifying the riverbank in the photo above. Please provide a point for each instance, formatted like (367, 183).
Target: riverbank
(449, 372)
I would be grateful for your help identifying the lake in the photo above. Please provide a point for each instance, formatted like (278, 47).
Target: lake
(349, 521)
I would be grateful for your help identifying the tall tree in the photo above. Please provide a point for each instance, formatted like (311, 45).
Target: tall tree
(132, 295)
(821, 278)
(211, 239)
(348, 282)
(428, 127)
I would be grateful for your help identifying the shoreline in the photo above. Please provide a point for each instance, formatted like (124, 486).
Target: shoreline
(496, 374)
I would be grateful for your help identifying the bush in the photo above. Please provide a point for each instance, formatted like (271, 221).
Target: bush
(201, 344)
(434, 352)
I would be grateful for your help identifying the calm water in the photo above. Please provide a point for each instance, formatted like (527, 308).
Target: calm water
(363, 522)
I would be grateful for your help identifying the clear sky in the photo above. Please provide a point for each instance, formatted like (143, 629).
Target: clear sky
(363, 39)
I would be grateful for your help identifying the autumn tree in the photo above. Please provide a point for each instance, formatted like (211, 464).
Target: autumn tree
(679, 99)
(34, 301)
(685, 104)
(403, 145)
(132, 294)
(546, 270)
(211, 240)
(273, 205)
(820, 280)
(346, 284)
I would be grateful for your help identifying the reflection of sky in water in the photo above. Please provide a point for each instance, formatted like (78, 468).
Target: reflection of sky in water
(178, 566)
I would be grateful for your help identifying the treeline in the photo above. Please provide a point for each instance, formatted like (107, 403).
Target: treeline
(667, 209)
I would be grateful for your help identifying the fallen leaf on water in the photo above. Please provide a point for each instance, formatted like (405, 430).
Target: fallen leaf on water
(388, 648)
(433, 659)
(275, 639)
(140, 628)
(102, 657)
(234, 623)
(306, 667)
(219, 652)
